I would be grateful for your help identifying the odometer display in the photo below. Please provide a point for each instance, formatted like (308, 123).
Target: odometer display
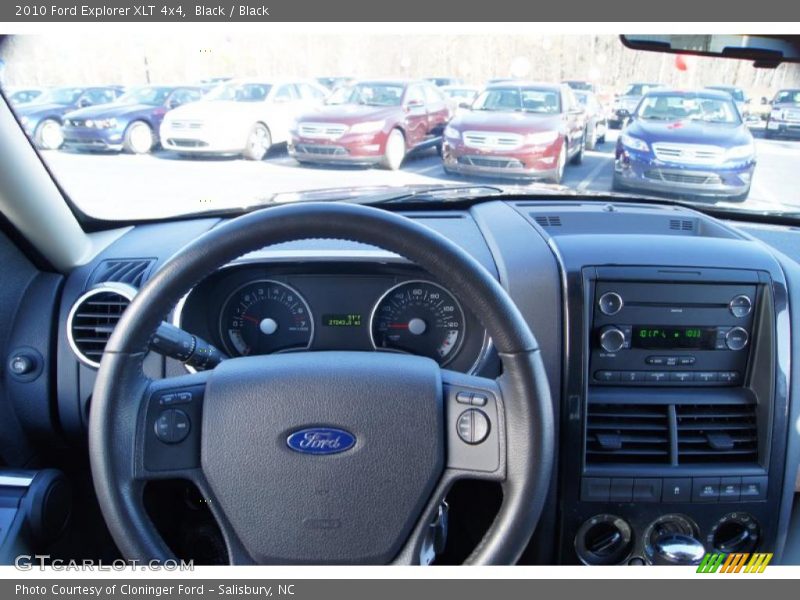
(263, 317)
(419, 317)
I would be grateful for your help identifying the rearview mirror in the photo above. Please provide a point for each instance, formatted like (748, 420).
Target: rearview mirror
(764, 50)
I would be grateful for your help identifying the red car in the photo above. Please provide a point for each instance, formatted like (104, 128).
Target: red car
(371, 122)
(517, 130)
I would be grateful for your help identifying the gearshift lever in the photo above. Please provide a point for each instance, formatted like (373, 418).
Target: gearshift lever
(675, 549)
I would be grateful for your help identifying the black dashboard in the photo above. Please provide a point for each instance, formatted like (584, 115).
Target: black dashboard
(665, 335)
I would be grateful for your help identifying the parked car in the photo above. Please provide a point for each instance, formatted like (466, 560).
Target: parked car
(757, 111)
(20, 96)
(517, 130)
(333, 83)
(736, 93)
(460, 97)
(692, 143)
(784, 118)
(42, 118)
(131, 123)
(240, 117)
(580, 85)
(371, 122)
(443, 81)
(626, 103)
(596, 118)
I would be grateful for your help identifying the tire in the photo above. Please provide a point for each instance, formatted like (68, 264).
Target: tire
(395, 150)
(562, 163)
(259, 141)
(138, 138)
(591, 140)
(578, 158)
(48, 135)
(615, 184)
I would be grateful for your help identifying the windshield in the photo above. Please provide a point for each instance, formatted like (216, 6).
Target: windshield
(154, 96)
(662, 107)
(267, 131)
(66, 95)
(370, 94)
(240, 92)
(787, 97)
(532, 100)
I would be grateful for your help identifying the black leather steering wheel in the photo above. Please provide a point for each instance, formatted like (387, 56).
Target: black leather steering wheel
(390, 427)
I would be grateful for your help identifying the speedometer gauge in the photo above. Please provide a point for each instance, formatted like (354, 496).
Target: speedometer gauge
(263, 317)
(419, 317)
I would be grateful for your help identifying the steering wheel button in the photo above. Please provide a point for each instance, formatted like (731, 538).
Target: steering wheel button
(479, 400)
(464, 398)
(473, 426)
(163, 426)
(181, 426)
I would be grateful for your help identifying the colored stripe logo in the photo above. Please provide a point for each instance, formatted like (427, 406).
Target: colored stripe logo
(736, 562)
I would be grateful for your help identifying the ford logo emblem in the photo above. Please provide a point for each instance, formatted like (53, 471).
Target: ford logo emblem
(321, 440)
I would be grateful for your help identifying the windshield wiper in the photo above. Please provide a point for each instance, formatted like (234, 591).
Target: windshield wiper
(388, 195)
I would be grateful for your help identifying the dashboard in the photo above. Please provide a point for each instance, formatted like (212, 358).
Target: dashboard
(665, 335)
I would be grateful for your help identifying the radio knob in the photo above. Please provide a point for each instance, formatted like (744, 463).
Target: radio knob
(612, 339)
(740, 306)
(610, 303)
(736, 338)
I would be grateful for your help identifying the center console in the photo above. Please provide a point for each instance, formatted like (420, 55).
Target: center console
(681, 440)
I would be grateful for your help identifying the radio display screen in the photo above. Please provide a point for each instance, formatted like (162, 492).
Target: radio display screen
(665, 338)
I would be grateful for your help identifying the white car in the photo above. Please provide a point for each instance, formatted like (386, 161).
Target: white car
(240, 117)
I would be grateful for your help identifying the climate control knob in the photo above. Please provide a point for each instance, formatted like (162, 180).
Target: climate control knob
(735, 532)
(612, 339)
(604, 540)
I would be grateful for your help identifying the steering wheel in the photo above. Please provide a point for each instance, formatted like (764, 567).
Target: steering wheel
(323, 457)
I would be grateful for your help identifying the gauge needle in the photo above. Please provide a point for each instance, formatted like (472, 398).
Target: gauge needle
(398, 325)
(251, 319)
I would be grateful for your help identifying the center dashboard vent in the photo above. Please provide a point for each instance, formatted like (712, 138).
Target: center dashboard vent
(671, 434)
(93, 317)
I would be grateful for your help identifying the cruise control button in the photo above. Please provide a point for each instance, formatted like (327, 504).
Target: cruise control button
(181, 427)
(472, 426)
(163, 426)
(172, 426)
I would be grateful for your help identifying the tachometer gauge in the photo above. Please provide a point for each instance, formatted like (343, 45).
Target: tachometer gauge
(263, 317)
(419, 317)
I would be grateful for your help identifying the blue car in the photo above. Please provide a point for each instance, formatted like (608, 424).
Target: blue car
(687, 144)
(130, 124)
(42, 119)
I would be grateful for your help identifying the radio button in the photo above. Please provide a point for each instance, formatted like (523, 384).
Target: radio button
(736, 338)
(658, 361)
(685, 361)
(728, 376)
(705, 377)
(740, 306)
(610, 303)
(632, 376)
(607, 376)
(681, 376)
(656, 376)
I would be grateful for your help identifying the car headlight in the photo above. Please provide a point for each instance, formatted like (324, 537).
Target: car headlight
(634, 143)
(541, 138)
(88, 123)
(741, 152)
(368, 126)
(452, 132)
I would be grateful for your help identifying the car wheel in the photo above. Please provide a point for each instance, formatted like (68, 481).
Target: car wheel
(138, 138)
(591, 139)
(395, 150)
(258, 142)
(49, 135)
(616, 186)
(578, 158)
(562, 162)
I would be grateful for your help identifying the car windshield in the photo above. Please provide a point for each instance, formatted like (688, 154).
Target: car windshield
(678, 107)
(65, 95)
(240, 92)
(787, 97)
(154, 96)
(267, 131)
(518, 99)
(370, 94)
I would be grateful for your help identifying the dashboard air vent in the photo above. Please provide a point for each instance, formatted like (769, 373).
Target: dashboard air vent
(92, 320)
(132, 271)
(681, 225)
(714, 433)
(548, 220)
(627, 433)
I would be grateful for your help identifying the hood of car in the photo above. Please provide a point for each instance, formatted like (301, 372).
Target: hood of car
(512, 122)
(38, 110)
(217, 110)
(113, 110)
(690, 132)
(349, 114)
(785, 105)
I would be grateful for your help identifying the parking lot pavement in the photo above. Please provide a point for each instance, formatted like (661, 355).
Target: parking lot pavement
(121, 186)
